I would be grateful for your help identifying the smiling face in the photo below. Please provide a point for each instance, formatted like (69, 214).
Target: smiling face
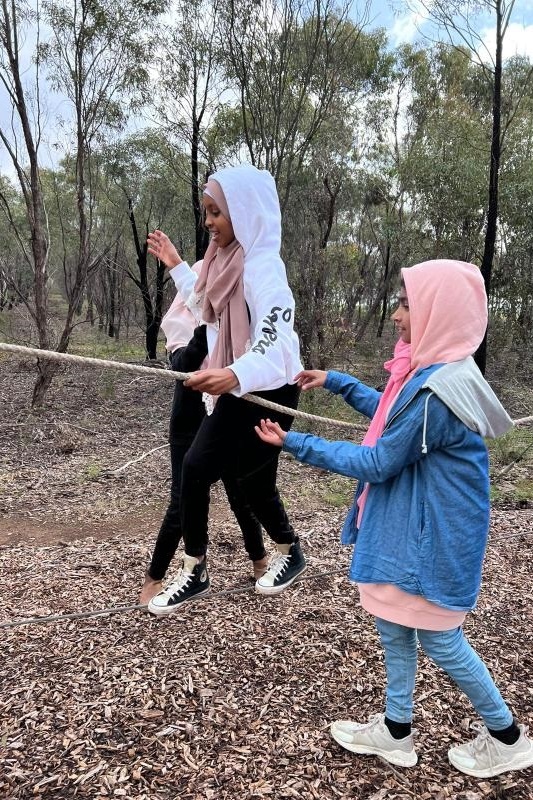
(402, 318)
(217, 224)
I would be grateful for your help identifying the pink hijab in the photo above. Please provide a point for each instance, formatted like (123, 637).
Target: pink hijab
(221, 283)
(448, 312)
(448, 309)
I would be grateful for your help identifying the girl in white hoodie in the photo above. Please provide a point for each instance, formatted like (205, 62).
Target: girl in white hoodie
(243, 296)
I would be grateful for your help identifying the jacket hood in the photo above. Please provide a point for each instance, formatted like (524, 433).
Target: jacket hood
(448, 311)
(462, 387)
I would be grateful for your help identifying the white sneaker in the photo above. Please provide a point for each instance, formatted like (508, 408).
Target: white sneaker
(374, 738)
(192, 582)
(485, 756)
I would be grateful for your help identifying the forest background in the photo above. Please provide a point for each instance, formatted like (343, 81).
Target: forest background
(111, 117)
(383, 157)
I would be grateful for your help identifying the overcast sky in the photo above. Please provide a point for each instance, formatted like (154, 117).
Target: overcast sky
(402, 27)
(410, 26)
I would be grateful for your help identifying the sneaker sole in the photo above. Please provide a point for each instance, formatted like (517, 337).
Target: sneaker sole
(523, 763)
(396, 757)
(165, 611)
(281, 587)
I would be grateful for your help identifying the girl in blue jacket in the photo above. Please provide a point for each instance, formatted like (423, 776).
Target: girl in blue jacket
(420, 517)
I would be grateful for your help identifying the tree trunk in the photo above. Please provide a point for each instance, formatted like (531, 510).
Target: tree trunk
(47, 372)
(201, 234)
(385, 300)
(495, 155)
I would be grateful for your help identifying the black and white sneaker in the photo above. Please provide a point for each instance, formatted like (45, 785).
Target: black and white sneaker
(192, 582)
(286, 567)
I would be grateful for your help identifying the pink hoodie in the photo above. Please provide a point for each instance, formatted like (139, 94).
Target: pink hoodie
(448, 310)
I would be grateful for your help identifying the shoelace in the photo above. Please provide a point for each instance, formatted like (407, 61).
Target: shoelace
(483, 744)
(176, 587)
(279, 564)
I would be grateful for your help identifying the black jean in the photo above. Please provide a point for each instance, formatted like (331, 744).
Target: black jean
(185, 419)
(227, 444)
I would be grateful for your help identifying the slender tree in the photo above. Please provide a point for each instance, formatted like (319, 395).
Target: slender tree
(22, 140)
(459, 19)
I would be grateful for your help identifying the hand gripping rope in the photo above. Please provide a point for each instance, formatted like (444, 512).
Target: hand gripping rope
(52, 355)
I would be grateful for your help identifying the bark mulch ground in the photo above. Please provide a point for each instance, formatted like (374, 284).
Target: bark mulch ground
(231, 699)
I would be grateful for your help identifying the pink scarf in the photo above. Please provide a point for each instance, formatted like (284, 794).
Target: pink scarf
(221, 282)
(399, 367)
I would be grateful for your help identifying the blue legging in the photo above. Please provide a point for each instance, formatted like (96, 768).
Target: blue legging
(450, 651)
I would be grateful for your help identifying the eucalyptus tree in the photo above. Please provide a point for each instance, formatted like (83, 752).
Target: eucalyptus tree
(16, 277)
(21, 132)
(379, 221)
(151, 190)
(442, 171)
(301, 72)
(293, 64)
(188, 94)
(460, 19)
(98, 57)
(512, 286)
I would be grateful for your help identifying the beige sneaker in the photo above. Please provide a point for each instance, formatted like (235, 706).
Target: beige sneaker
(374, 738)
(485, 756)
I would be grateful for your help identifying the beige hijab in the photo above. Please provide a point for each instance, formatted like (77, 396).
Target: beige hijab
(221, 284)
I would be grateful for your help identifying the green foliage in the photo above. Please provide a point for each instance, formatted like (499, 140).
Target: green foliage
(98, 56)
(442, 169)
(93, 471)
(338, 491)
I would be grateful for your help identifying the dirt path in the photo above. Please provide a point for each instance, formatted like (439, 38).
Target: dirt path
(18, 530)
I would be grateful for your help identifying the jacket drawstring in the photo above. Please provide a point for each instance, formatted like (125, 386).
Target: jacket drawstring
(424, 429)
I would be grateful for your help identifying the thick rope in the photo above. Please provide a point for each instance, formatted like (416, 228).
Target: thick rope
(69, 358)
(141, 607)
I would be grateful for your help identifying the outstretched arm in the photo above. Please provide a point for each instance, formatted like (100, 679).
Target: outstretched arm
(356, 394)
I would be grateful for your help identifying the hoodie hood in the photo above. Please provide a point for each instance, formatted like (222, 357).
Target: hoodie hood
(462, 387)
(253, 205)
(448, 311)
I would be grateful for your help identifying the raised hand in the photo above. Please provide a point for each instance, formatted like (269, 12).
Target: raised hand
(160, 246)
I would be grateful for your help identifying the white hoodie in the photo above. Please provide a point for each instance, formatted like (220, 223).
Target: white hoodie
(274, 355)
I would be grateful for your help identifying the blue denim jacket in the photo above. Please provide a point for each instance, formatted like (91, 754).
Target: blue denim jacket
(426, 519)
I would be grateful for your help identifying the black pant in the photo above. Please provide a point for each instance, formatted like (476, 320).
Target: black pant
(227, 445)
(186, 417)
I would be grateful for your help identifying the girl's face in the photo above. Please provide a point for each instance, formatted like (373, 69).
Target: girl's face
(401, 317)
(219, 227)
